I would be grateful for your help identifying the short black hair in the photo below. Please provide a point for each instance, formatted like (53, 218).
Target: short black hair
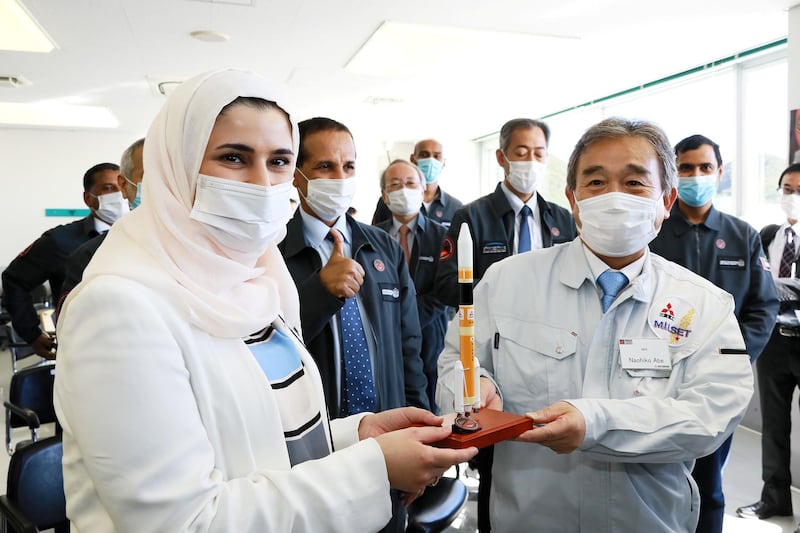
(316, 125)
(795, 167)
(693, 142)
(91, 174)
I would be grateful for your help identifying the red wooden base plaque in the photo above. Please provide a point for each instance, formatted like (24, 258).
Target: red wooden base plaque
(496, 426)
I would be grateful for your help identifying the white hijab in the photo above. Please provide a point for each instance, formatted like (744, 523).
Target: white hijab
(224, 297)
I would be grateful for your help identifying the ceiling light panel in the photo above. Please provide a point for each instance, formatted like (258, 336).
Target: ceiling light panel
(19, 31)
(399, 50)
(56, 115)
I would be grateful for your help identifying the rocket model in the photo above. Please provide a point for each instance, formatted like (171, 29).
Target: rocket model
(467, 372)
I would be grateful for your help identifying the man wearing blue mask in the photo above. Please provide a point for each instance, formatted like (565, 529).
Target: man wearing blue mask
(629, 366)
(436, 204)
(726, 251)
(131, 171)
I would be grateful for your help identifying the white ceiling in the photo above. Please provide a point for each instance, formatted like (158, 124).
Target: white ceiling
(108, 50)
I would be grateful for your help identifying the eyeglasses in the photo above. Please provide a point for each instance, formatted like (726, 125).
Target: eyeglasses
(788, 191)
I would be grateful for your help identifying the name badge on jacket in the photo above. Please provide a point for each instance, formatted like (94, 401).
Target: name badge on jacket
(495, 248)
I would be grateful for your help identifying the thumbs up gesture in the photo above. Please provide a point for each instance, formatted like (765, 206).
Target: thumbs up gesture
(341, 276)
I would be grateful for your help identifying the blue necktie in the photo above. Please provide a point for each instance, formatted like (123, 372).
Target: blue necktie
(524, 230)
(358, 387)
(611, 282)
(359, 390)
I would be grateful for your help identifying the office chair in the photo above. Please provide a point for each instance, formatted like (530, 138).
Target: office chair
(437, 507)
(30, 402)
(34, 498)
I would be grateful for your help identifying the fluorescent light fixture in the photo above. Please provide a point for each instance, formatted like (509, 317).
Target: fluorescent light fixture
(400, 50)
(19, 31)
(56, 115)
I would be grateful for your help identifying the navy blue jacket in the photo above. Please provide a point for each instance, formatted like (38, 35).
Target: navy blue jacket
(41, 261)
(727, 252)
(428, 238)
(442, 209)
(491, 222)
(389, 302)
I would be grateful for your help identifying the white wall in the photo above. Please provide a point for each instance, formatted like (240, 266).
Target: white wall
(41, 169)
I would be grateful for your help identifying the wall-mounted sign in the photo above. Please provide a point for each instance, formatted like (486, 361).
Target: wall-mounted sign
(66, 212)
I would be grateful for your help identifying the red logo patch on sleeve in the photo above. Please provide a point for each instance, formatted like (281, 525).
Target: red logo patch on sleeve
(448, 249)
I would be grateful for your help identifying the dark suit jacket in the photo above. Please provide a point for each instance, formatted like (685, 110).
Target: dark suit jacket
(41, 261)
(491, 222)
(428, 239)
(389, 301)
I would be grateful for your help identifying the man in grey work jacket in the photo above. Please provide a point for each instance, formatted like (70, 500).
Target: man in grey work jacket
(496, 222)
(726, 251)
(629, 366)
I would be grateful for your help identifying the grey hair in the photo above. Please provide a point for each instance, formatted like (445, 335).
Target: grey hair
(521, 124)
(616, 127)
(126, 162)
(403, 161)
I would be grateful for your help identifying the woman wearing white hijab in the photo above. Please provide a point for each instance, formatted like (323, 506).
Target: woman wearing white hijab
(171, 422)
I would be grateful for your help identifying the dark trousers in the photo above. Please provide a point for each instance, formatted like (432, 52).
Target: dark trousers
(484, 460)
(778, 370)
(707, 474)
(399, 515)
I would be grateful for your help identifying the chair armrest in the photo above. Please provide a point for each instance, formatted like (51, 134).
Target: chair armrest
(18, 521)
(29, 416)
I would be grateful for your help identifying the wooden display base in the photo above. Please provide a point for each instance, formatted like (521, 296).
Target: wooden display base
(496, 426)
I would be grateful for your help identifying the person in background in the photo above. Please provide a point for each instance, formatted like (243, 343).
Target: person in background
(187, 399)
(437, 205)
(131, 170)
(726, 251)
(357, 302)
(44, 259)
(421, 240)
(777, 369)
(629, 366)
(513, 219)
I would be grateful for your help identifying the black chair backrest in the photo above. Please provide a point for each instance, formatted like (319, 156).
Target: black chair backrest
(32, 388)
(36, 483)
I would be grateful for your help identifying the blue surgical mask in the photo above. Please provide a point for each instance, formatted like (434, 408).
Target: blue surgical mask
(138, 199)
(697, 190)
(430, 168)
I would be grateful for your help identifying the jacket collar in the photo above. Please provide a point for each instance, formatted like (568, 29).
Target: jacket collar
(574, 270)
(680, 225)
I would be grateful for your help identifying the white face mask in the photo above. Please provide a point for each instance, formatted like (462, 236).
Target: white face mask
(241, 216)
(329, 198)
(790, 203)
(112, 207)
(405, 201)
(524, 175)
(617, 224)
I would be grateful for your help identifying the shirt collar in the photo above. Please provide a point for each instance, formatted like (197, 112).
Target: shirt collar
(100, 226)
(412, 225)
(316, 230)
(597, 266)
(515, 202)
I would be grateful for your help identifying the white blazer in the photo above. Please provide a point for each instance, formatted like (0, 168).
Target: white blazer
(167, 428)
